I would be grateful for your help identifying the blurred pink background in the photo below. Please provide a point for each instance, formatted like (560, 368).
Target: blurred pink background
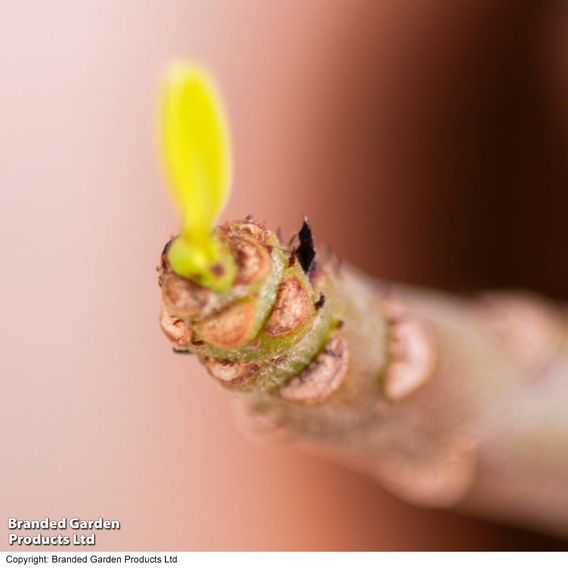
(383, 120)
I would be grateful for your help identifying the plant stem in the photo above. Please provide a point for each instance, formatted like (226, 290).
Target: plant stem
(449, 402)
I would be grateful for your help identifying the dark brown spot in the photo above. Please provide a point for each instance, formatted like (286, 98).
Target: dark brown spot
(293, 258)
(181, 351)
(217, 269)
(321, 302)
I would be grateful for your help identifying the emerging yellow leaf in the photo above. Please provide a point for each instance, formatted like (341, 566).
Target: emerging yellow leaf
(197, 159)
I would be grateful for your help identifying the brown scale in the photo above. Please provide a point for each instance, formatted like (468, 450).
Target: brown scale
(323, 376)
(230, 372)
(291, 309)
(230, 328)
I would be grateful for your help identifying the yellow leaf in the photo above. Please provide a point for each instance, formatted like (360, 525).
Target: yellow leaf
(197, 159)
